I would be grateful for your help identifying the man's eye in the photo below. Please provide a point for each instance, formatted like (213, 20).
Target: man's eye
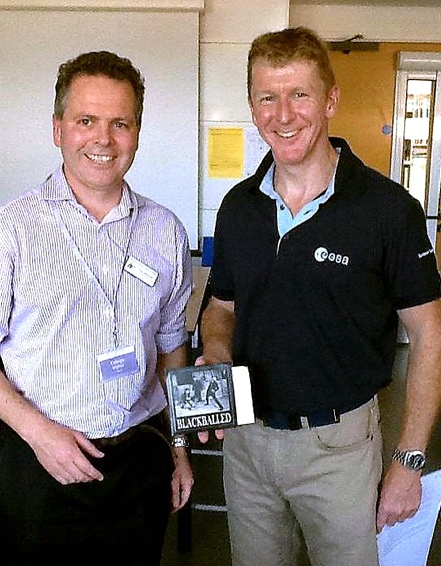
(85, 121)
(120, 125)
(300, 94)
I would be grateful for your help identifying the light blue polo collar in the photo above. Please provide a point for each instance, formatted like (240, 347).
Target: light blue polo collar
(285, 220)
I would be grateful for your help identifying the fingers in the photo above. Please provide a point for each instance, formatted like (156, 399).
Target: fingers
(182, 479)
(87, 471)
(200, 361)
(82, 469)
(203, 436)
(384, 519)
(380, 525)
(400, 496)
(87, 446)
(76, 469)
(63, 454)
(181, 492)
(395, 511)
(391, 519)
(219, 434)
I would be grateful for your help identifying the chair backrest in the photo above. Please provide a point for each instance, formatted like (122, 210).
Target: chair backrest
(408, 543)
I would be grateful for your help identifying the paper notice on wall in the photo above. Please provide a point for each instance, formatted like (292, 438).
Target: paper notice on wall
(255, 150)
(226, 153)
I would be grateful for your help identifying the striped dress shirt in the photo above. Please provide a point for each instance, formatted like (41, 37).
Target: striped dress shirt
(65, 299)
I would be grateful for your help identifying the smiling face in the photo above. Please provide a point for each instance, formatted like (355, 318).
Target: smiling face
(291, 108)
(97, 134)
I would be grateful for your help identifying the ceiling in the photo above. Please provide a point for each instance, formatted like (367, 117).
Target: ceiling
(399, 3)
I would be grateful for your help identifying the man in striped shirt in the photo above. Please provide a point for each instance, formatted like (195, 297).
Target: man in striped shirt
(94, 281)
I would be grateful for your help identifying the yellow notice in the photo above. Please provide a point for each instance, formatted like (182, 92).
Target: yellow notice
(226, 152)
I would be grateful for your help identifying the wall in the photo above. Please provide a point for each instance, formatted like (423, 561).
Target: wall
(227, 29)
(384, 23)
(164, 44)
(367, 79)
(367, 82)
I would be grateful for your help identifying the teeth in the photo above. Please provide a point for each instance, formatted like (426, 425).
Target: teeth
(100, 158)
(286, 135)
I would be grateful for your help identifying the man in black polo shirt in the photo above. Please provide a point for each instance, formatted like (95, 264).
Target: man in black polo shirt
(316, 257)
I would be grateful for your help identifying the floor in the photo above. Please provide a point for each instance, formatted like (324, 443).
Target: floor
(209, 534)
(207, 543)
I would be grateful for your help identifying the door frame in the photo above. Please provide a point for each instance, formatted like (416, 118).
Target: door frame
(420, 66)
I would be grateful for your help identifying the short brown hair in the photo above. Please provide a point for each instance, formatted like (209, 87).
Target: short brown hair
(98, 63)
(280, 48)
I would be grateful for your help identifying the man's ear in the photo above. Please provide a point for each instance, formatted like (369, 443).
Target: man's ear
(250, 105)
(332, 103)
(56, 131)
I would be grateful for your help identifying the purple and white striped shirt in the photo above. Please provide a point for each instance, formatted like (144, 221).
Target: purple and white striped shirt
(65, 298)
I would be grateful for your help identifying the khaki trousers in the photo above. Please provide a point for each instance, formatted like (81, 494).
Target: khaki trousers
(323, 480)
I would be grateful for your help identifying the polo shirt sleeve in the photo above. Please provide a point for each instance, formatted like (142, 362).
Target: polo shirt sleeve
(410, 268)
(222, 280)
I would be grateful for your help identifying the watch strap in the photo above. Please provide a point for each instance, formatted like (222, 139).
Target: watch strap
(413, 460)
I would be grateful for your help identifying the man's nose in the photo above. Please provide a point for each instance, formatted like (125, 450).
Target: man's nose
(284, 110)
(103, 134)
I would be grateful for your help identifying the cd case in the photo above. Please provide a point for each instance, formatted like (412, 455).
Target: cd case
(206, 397)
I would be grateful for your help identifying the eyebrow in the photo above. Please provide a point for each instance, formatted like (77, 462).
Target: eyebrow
(95, 117)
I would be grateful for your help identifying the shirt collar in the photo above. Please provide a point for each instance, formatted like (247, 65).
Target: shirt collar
(285, 220)
(57, 188)
(267, 186)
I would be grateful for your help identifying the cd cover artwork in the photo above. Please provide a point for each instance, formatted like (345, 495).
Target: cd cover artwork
(209, 396)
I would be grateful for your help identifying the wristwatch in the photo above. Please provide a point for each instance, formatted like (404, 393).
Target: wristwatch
(180, 440)
(414, 460)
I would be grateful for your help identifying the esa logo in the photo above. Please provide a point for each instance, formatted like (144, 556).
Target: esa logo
(322, 254)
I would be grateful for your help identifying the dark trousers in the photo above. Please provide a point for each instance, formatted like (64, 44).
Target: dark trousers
(121, 520)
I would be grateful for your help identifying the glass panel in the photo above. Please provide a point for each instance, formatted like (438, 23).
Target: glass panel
(438, 246)
(435, 236)
(417, 137)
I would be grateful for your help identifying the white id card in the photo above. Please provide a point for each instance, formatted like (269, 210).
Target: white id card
(141, 271)
(118, 363)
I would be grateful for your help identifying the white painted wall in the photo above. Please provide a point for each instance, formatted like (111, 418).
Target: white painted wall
(376, 23)
(227, 28)
(163, 44)
(117, 5)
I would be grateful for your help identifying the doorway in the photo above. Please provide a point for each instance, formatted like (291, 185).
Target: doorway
(416, 142)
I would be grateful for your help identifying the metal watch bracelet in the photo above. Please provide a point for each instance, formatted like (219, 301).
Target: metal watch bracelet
(414, 460)
(180, 441)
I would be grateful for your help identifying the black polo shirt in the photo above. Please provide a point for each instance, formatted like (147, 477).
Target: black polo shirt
(316, 310)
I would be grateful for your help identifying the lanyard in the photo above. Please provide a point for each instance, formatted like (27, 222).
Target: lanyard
(70, 240)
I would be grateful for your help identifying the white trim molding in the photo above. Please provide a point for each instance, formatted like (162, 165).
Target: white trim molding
(106, 5)
(419, 61)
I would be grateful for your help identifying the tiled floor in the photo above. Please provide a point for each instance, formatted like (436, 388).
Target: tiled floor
(209, 539)
(209, 532)
(209, 542)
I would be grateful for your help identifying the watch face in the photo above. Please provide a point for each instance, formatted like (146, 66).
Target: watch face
(412, 459)
(416, 461)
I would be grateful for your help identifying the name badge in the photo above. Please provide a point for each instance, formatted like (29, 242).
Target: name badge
(141, 271)
(118, 363)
